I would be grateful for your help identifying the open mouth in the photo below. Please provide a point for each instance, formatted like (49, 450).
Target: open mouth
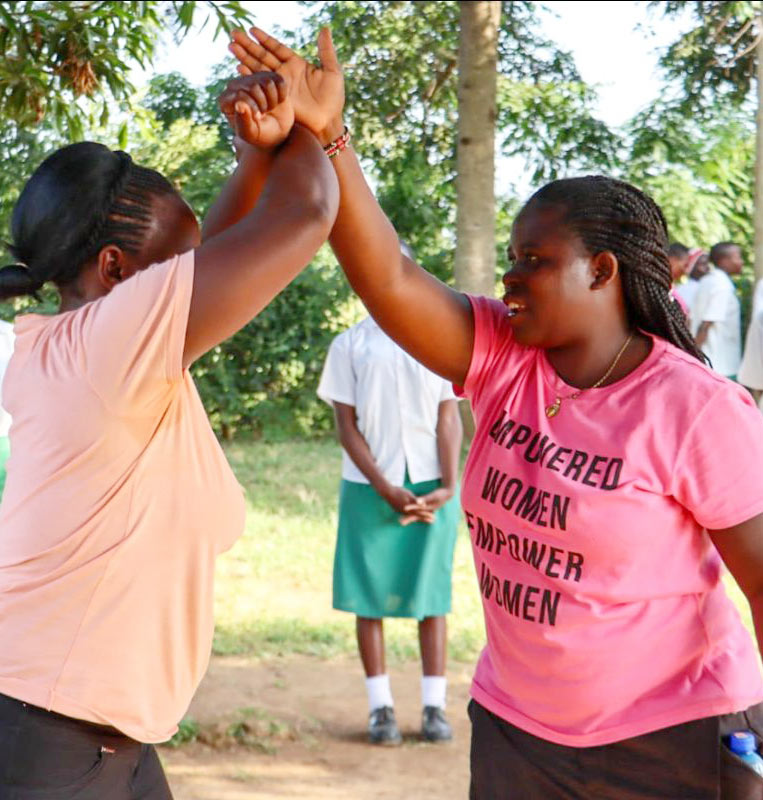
(514, 307)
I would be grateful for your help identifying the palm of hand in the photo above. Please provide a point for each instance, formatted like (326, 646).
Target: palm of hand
(317, 95)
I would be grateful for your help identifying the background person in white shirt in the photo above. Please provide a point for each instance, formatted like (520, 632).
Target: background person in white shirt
(715, 312)
(401, 432)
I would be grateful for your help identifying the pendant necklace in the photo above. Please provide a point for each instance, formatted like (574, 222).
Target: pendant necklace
(555, 407)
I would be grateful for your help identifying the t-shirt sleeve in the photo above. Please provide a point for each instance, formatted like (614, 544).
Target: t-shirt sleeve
(132, 339)
(446, 391)
(337, 383)
(716, 477)
(494, 346)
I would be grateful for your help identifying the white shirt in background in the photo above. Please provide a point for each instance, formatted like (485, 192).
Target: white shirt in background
(396, 402)
(687, 291)
(716, 301)
(6, 351)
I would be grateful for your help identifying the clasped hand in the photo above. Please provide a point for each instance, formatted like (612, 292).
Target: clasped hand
(317, 93)
(258, 108)
(413, 508)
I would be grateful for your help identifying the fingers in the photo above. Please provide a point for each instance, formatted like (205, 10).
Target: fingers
(244, 123)
(326, 51)
(265, 89)
(269, 43)
(248, 59)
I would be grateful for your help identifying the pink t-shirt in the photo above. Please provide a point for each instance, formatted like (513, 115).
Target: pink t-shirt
(605, 613)
(117, 501)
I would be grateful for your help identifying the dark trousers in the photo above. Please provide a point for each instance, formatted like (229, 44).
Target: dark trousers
(684, 762)
(46, 756)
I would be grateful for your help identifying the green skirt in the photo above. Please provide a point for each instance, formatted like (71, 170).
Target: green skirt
(384, 569)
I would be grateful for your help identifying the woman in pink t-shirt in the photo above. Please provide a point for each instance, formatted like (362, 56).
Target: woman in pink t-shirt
(609, 474)
(118, 497)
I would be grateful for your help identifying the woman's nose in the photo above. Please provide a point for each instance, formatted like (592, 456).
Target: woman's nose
(510, 277)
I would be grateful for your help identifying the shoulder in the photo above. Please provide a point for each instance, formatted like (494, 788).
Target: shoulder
(690, 384)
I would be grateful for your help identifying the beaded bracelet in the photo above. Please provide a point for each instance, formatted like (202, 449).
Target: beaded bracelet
(333, 149)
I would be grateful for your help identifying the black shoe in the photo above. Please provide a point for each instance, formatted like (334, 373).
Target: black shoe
(382, 728)
(434, 725)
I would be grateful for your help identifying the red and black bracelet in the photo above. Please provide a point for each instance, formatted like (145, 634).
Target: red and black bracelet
(334, 148)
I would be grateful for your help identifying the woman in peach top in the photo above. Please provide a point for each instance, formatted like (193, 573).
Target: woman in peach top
(118, 496)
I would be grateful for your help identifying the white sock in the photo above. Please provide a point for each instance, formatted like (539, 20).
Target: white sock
(433, 690)
(379, 692)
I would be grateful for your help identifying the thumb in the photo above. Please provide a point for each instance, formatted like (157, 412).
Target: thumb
(326, 52)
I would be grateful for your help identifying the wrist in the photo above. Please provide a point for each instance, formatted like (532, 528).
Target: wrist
(332, 131)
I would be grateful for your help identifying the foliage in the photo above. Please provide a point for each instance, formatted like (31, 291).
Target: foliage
(187, 732)
(69, 62)
(714, 61)
(709, 123)
(699, 171)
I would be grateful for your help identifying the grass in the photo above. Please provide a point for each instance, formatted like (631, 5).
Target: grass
(273, 592)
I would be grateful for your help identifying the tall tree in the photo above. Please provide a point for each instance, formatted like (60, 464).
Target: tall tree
(475, 259)
(718, 63)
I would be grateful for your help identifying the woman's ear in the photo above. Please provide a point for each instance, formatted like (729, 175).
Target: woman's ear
(605, 269)
(112, 267)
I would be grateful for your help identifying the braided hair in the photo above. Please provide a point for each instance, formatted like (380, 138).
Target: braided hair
(612, 215)
(80, 199)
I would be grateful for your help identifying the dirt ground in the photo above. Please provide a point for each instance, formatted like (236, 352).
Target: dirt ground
(295, 728)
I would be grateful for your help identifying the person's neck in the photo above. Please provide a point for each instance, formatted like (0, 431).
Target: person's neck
(84, 289)
(584, 363)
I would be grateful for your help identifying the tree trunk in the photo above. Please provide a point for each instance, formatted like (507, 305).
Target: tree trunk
(758, 210)
(475, 155)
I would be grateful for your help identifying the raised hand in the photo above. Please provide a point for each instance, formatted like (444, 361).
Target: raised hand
(316, 92)
(258, 108)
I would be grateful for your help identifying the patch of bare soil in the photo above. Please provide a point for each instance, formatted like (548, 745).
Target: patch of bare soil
(295, 728)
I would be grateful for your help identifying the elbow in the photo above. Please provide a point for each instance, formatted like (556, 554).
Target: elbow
(322, 213)
(321, 203)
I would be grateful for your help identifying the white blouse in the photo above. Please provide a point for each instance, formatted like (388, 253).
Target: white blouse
(396, 402)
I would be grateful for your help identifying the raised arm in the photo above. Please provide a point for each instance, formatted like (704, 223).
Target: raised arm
(431, 321)
(252, 95)
(240, 269)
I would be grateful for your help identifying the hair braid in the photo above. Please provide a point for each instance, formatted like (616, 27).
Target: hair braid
(612, 215)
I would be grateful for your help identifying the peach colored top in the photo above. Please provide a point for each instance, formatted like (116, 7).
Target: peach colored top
(117, 502)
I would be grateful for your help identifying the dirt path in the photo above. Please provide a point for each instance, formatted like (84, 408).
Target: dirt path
(295, 728)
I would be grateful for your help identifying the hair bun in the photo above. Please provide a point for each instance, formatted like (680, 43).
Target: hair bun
(17, 280)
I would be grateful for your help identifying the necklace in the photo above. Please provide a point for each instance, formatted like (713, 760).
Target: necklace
(555, 407)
